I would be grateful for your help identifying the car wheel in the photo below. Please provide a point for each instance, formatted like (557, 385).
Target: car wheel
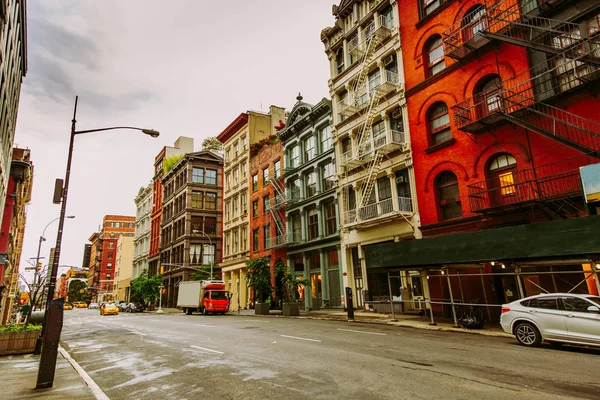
(527, 334)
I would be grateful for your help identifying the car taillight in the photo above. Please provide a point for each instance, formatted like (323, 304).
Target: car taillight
(505, 310)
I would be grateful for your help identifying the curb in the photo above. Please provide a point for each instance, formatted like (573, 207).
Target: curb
(94, 388)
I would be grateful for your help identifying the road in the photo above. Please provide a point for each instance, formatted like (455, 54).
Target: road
(175, 356)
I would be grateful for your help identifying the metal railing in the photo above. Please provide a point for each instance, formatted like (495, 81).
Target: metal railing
(377, 210)
(390, 141)
(546, 182)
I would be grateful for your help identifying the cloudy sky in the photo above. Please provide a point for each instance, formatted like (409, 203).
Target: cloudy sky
(183, 67)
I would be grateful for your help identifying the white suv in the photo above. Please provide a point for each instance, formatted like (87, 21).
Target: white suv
(555, 317)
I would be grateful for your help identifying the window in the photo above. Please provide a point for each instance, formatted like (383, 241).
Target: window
(255, 182)
(374, 79)
(244, 238)
(328, 176)
(266, 204)
(448, 195)
(196, 224)
(255, 240)
(473, 22)
(313, 224)
(243, 171)
(211, 177)
(112, 235)
(295, 190)
(131, 225)
(277, 169)
(244, 143)
(111, 255)
(439, 123)
(197, 175)
(295, 222)
(228, 180)
(227, 210)
(339, 60)
(311, 184)
(109, 265)
(255, 209)
(210, 225)
(195, 254)
(211, 201)
(227, 242)
(111, 245)
(236, 207)
(384, 188)
(235, 241)
(265, 176)
(266, 236)
(548, 303)
(379, 138)
(295, 159)
(208, 257)
(309, 148)
(326, 138)
(487, 97)
(430, 5)
(330, 220)
(501, 170)
(236, 177)
(107, 277)
(434, 50)
(243, 204)
(197, 199)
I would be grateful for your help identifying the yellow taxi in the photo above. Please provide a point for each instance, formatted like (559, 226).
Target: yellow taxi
(109, 309)
(80, 304)
(68, 306)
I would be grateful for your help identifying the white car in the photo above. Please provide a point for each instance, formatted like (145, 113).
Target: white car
(556, 318)
(93, 306)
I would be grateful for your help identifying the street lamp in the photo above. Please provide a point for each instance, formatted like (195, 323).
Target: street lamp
(160, 292)
(48, 359)
(212, 261)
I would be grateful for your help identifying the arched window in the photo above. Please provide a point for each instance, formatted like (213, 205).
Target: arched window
(434, 51)
(430, 6)
(439, 123)
(501, 174)
(487, 95)
(448, 195)
(339, 60)
(474, 22)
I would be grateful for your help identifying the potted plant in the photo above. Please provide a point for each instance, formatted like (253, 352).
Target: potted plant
(18, 339)
(259, 280)
(289, 288)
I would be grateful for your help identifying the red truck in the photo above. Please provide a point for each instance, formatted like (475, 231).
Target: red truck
(203, 296)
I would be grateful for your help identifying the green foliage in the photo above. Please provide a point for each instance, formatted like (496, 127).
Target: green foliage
(169, 162)
(212, 144)
(145, 288)
(20, 328)
(259, 278)
(202, 274)
(290, 285)
(279, 276)
(75, 294)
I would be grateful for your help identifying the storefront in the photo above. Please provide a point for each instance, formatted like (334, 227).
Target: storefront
(486, 268)
(321, 268)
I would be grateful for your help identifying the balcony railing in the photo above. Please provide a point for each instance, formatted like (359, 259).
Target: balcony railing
(377, 210)
(387, 143)
(381, 28)
(276, 202)
(547, 182)
(274, 242)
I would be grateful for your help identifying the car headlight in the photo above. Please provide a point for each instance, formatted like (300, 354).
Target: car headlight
(210, 306)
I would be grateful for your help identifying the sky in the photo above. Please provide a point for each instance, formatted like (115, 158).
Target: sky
(182, 67)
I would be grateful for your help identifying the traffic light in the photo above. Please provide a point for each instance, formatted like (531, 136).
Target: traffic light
(39, 266)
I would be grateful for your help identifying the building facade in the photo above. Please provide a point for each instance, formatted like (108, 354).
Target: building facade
(95, 259)
(374, 162)
(500, 127)
(87, 250)
(247, 129)
(124, 268)
(311, 206)
(191, 240)
(181, 146)
(14, 217)
(141, 241)
(13, 68)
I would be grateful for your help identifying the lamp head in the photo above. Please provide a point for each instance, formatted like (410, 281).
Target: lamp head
(70, 216)
(151, 132)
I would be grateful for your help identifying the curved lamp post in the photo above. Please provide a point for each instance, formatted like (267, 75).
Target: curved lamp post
(49, 350)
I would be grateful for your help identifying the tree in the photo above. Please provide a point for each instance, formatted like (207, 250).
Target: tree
(37, 290)
(145, 288)
(77, 292)
(212, 143)
(259, 278)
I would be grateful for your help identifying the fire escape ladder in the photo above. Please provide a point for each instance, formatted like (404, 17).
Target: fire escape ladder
(369, 184)
(371, 42)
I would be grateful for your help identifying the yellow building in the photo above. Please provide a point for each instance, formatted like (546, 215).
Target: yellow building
(124, 268)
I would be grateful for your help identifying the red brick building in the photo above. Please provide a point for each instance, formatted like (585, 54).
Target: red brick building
(500, 126)
(267, 216)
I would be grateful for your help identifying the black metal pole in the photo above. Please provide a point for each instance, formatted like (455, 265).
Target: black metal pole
(48, 359)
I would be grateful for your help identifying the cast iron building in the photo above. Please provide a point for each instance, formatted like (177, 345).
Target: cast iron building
(141, 241)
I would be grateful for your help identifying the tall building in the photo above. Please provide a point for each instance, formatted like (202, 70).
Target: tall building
(247, 129)
(13, 68)
(141, 241)
(311, 205)
(18, 195)
(192, 220)
(373, 159)
(87, 250)
(95, 262)
(124, 268)
(503, 98)
(267, 221)
(181, 146)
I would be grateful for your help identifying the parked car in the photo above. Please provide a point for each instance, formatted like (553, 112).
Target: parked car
(556, 318)
(122, 306)
(133, 308)
(80, 304)
(109, 309)
(68, 306)
(93, 306)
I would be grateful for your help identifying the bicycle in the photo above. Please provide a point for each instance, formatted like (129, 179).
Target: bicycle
(470, 317)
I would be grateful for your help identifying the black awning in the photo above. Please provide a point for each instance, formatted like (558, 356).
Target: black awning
(564, 238)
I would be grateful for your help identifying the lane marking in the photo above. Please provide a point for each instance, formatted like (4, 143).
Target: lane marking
(102, 326)
(256, 320)
(300, 338)
(206, 326)
(369, 333)
(138, 333)
(96, 391)
(205, 349)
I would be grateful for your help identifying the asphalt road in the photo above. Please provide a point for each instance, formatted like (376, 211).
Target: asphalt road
(175, 356)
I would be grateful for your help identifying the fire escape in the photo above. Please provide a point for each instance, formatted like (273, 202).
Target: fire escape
(572, 62)
(276, 210)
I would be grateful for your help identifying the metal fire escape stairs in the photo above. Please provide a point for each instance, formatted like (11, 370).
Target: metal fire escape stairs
(275, 206)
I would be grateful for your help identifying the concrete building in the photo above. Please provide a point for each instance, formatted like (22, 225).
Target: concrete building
(192, 221)
(14, 217)
(13, 68)
(181, 146)
(371, 135)
(141, 241)
(311, 205)
(124, 268)
(247, 129)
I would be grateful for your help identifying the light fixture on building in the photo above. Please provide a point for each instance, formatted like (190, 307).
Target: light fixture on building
(503, 266)
(493, 263)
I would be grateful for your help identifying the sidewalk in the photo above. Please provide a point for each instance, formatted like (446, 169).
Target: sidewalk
(408, 321)
(19, 377)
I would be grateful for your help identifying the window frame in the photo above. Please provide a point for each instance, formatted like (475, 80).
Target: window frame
(440, 131)
(430, 48)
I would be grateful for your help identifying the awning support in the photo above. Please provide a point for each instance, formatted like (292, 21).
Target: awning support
(451, 296)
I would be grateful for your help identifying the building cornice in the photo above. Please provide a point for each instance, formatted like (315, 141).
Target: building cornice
(233, 127)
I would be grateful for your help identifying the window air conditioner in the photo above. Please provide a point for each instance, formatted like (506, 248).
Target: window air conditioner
(396, 114)
(388, 60)
(400, 179)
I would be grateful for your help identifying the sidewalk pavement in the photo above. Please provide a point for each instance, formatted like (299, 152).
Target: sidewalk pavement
(19, 377)
(405, 320)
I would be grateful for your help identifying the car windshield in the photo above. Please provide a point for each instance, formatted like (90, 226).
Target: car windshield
(218, 295)
(594, 299)
(110, 306)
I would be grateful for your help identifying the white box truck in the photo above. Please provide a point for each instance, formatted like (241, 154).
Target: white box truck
(203, 296)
